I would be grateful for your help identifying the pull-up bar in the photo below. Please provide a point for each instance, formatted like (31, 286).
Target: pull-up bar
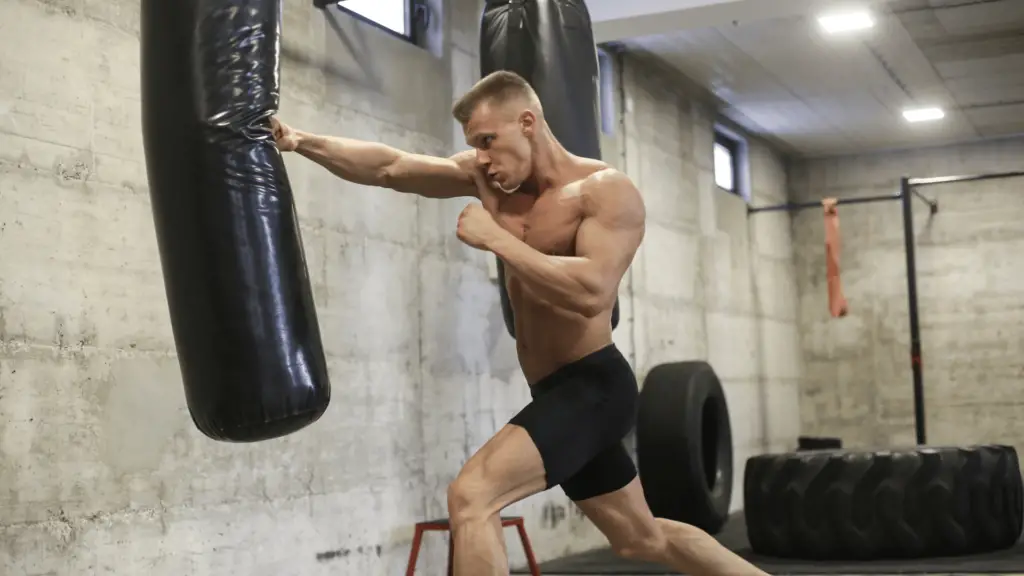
(907, 191)
(795, 206)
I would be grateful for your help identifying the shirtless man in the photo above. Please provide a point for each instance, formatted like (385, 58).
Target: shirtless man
(567, 229)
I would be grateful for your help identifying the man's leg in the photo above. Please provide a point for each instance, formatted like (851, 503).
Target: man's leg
(505, 470)
(634, 533)
(575, 412)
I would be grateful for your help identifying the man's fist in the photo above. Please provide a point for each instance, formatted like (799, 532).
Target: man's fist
(477, 227)
(284, 136)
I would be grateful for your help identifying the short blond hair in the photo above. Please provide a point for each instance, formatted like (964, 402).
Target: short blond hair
(497, 87)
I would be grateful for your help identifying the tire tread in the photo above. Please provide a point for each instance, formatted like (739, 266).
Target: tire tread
(914, 503)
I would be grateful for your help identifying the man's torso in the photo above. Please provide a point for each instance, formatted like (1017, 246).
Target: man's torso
(547, 336)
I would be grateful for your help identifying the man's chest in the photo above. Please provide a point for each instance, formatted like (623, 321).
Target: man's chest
(547, 223)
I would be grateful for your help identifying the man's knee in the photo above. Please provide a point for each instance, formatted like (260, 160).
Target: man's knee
(650, 546)
(469, 499)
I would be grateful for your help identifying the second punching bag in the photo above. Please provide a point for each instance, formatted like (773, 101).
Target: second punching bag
(550, 43)
(241, 304)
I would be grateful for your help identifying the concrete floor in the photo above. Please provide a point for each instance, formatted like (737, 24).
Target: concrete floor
(553, 573)
(875, 574)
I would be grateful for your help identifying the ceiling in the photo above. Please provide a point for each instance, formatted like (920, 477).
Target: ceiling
(778, 74)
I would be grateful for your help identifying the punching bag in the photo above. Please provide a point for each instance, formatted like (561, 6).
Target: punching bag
(240, 300)
(550, 43)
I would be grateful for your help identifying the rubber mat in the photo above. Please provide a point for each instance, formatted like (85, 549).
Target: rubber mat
(734, 537)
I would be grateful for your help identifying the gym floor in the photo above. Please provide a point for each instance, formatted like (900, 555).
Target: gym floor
(557, 573)
(734, 536)
(710, 110)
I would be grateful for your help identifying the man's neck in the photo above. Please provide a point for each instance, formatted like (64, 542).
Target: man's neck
(550, 163)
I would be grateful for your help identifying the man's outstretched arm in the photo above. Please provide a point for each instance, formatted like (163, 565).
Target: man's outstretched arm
(608, 237)
(374, 164)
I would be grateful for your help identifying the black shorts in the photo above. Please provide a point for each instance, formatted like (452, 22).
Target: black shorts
(578, 418)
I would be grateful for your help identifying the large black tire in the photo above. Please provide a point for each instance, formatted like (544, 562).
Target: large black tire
(913, 503)
(684, 445)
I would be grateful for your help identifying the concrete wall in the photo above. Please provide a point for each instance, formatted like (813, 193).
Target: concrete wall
(707, 283)
(858, 383)
(101, 470)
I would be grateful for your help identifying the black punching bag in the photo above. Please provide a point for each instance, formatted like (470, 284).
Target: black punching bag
(550, 43)
(240, 300)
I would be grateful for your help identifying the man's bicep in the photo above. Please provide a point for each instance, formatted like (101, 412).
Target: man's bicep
(613, 229)
(608, 246)
(432, 176)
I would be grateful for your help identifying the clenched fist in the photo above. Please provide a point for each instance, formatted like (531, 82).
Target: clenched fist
(477, 227)
(285, 138)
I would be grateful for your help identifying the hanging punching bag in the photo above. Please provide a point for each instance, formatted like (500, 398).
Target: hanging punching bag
(240, 301)
(550, 43)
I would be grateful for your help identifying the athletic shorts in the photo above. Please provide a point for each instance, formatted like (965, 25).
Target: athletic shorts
(578, 418)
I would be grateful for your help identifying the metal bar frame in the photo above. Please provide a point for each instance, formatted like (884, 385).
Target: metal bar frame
(794, 206)
(908, 191)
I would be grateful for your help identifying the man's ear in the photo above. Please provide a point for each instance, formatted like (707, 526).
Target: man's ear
(528, 122)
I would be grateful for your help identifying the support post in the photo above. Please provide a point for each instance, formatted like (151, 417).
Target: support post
(906, 192)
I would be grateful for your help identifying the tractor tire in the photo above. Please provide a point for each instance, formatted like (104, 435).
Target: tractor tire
(892, 504)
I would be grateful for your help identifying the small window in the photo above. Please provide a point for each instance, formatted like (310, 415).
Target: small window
(727, 163)
(723, 167)
(393, 15)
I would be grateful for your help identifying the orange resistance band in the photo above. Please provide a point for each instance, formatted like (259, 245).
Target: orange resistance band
(836, 301)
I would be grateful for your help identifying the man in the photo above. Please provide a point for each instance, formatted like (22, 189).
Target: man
(567, 229)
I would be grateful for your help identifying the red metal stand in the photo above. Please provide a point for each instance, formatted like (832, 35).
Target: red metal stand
(445, 526)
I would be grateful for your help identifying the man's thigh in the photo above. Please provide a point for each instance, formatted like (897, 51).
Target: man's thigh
(608, 472)
(575, 427)
(550, 440)
(622, 516)
(506, 469)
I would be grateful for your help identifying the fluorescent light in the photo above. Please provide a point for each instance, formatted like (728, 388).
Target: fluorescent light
(846, 22)
(924, 114)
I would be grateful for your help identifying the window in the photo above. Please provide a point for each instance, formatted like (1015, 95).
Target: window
(725, 176)
(393, 15)
(728, 151)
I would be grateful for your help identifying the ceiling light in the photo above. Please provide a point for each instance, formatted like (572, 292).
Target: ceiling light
(846, 22)
(924, 114)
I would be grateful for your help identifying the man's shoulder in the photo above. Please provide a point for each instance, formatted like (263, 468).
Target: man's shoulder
(607, 183)
(605, 177)
(610, 191)
(466, 160)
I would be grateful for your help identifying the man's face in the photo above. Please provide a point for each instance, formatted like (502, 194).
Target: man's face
(503, 138)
